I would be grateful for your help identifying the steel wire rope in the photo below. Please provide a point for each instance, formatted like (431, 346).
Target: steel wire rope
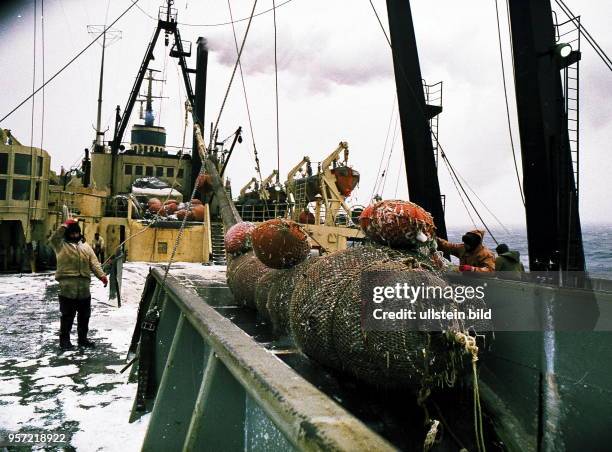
(28, 231)
(386, 173)
(246, 99)
(199, 136)
(220, 24)
(213, 132)
(442, 153)
(382, 157)
(276, 94)
(594, 44)
(503, 70)
(381, 176)
(399, 173)
(72, 60)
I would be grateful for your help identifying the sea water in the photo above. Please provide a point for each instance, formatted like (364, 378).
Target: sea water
(597, 241)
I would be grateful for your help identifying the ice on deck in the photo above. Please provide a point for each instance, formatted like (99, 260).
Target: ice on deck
(80, 391)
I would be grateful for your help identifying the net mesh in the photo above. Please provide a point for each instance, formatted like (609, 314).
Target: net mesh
(319, 302)
(280, 293)
(243, 273)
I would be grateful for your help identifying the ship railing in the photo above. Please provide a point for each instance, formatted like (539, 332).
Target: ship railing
(262, 212)
(215, 388)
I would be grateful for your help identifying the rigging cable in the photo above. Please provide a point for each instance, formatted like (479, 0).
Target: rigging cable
(72, 60)
(276, 90)
(246, 99)
(598, 50)
(220, 24)
(28, 232)
(42, 30)
(382, 157)
(161, 94)
(381, 176)
(503, 69)
(442, 153)
(399, 173)
(454, 173)
(483, 204)
(386, 172)
(214, 130)
(460, 195)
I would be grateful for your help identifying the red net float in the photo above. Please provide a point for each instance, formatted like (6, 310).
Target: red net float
(306, 217)
(398, 224)
(280, 243)
(154, 205)
(346, 179)
(180, 214)
(170, 206)
(197, 212)
(238, 238)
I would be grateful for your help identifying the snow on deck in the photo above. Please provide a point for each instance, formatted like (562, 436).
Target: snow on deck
(81, 391)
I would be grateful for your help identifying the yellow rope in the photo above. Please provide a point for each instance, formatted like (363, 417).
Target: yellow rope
(469, 343)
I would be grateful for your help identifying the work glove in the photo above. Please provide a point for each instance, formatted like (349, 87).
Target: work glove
(69, 221)
(467, 268)
(104, 280)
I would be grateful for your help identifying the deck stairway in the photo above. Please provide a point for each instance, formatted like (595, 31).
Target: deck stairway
(217, 233)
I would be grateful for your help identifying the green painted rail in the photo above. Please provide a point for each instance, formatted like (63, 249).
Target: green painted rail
(221, 391)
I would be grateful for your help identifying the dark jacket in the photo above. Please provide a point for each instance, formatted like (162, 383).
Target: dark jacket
(481, 257)
(509, 261)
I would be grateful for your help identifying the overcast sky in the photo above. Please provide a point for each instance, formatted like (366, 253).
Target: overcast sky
(335, 83)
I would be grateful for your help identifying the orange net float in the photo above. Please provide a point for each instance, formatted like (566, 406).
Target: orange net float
(280, 243)
(197, 212)
(170, 206)
(155, 207)
(398, 224)
(346, 179)
(306, 217)
(238, 238)
(180, 214)
(204, 184)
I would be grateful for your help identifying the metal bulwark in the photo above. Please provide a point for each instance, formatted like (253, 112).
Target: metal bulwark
(220, 390)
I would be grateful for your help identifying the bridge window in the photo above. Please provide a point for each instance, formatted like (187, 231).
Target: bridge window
(149, 171)
(159, 171)
(3, 163)
(23, 164)
(2, 188)
(180, 173)
(21, 189)
(138, 170)
(169, 172)
(37, 191)
(127, 170)
(39, 166)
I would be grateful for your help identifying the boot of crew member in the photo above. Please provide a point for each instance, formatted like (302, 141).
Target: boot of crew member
(83, 314)
(68, 311)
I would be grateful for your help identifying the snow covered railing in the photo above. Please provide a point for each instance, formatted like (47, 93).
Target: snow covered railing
(220, 390)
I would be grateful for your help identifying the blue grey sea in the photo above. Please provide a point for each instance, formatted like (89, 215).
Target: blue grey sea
(597, 240)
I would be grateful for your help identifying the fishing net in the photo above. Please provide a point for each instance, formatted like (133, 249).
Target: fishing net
(243, 273)
(280, 292)
(264, 284)
(325, 320)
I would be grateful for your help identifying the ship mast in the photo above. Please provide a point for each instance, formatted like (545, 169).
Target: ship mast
(414, 113)
(108, 38)
(551, 197)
